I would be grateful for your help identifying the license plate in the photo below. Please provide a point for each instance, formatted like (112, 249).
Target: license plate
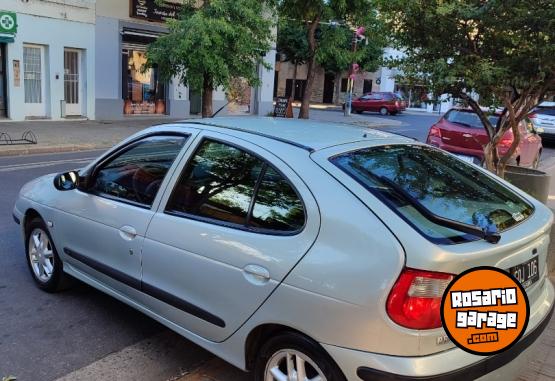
(527, 273)
(468, 159)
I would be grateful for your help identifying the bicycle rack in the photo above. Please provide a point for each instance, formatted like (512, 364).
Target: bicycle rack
(28, 137)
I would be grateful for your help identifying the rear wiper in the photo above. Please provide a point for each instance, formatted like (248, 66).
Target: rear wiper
(489, 235)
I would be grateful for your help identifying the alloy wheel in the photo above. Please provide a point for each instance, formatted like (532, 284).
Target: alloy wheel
(41, 255)
(292, 365)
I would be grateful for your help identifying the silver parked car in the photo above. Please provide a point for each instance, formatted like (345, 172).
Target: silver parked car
(289, 248)
(543, 118)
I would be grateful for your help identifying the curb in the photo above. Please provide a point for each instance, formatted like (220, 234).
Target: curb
(51, 149)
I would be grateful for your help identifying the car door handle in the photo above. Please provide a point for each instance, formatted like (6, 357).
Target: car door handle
(257, 275)
(127, 232)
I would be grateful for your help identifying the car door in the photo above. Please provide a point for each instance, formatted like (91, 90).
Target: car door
(530, 143)
(104, 225)
(374, 103)
(361, 103)
(236, 221)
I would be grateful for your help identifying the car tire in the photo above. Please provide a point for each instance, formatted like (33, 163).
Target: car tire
(43, 260)
(274, 354)
(358, 111)
(384, 111)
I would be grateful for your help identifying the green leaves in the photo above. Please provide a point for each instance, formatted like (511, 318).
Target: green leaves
(220, 40)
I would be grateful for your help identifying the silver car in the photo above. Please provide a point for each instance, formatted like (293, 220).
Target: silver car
(288, 248)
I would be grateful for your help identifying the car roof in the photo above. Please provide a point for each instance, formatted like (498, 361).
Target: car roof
(306, 134)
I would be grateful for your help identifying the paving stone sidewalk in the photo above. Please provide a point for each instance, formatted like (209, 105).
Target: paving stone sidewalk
(81, 135)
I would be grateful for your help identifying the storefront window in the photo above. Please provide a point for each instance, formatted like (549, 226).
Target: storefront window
(143, 91)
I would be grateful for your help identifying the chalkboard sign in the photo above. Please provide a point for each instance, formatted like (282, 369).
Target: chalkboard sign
(283, 108)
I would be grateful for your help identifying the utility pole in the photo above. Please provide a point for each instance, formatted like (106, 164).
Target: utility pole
(358, 34)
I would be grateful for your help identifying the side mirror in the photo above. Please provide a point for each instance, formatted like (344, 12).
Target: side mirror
(66, 181)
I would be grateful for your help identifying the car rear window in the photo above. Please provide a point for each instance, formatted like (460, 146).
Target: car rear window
(468, 119)
(437, 181)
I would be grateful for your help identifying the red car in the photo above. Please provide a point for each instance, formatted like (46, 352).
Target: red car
(460, 131)
(384, 103)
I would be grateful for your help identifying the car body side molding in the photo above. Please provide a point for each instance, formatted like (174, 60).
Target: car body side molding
(150, 290)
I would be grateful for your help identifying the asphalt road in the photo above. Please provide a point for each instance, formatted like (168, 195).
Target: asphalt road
(46, 336)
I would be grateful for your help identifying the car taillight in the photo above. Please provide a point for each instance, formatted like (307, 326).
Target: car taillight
(532, 116)
(397, 104)
(415, 299)
(506, 142)
(434, 132)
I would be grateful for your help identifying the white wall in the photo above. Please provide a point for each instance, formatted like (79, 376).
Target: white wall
(54, 34)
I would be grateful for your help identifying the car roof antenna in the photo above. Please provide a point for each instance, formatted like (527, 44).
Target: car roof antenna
(220, 109)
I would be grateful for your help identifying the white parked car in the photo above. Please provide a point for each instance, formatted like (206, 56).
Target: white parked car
(289, 248)
(543, 118)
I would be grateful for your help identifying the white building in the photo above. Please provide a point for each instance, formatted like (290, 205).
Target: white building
(47, 58)
(82, 58)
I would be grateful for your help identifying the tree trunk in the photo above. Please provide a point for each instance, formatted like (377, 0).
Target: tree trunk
(337, 87)
(307, 93)
(207, 90)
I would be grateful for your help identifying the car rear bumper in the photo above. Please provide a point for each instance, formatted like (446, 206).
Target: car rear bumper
(452, 364)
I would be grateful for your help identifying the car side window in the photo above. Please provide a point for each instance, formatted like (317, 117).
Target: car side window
(135, 175)
(375, 97)
(277, 206)
(220, 183)
(365, 97)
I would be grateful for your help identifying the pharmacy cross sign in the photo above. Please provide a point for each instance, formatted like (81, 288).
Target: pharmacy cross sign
(8, 22)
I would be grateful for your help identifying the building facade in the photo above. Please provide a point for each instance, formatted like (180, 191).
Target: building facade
(83, 59)
(124, 28)
(47, 59)
(330, 88)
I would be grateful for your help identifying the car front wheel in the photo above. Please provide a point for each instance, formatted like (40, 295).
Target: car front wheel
(43, 260)
(292, 356)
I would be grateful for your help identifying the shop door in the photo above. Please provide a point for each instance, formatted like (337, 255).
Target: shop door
(196, 102)
(3, 82)
(329, 86)
(72, 82)
(33, 80)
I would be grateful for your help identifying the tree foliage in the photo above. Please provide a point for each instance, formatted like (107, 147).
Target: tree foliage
(312, 13)
(504, 50)
(211, 43)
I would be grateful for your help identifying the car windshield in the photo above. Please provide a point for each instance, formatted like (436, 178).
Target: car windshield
(409, 178)
(468, 119)
(545, 111)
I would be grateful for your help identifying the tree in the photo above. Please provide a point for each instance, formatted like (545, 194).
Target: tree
(292, 44)
(211, 43)
(335, 53)
(504, 50)
(311, 13)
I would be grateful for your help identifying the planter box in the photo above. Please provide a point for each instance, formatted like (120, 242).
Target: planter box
(532, 181)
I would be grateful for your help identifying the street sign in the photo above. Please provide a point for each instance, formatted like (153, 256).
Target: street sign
(8, 22)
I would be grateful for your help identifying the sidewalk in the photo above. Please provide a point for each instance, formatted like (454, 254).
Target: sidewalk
(81, 135)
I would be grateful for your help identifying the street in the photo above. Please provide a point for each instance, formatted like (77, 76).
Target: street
(47, 336)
